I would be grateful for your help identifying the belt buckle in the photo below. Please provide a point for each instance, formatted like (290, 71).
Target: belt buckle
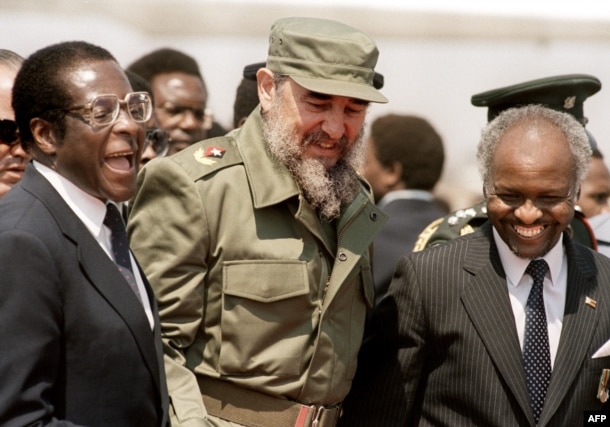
(317, 415)
(313, 416)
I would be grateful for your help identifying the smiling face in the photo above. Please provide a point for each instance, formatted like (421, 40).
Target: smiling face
(530, 196)
(317, 137)
(324, 126)
(101, 161)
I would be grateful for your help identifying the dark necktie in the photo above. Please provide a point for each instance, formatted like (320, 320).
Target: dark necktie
(120, 246)
(536, 351)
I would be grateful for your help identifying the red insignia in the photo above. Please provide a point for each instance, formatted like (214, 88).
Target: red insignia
(214, 152)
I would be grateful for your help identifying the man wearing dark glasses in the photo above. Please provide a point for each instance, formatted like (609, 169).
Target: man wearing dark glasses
(13, 157)
(80, 329)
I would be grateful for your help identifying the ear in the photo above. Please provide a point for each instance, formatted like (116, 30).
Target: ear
(266, 87)
(44, 136)
(393, 176)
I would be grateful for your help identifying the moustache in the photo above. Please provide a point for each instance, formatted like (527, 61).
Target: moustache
(322, 137)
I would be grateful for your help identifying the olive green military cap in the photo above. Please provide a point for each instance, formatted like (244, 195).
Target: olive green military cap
(565, 93)
(325, 56)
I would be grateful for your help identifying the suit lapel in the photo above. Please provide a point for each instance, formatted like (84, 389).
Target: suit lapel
(97, 266)
(487, 303)
(579, 325)
(107, 279)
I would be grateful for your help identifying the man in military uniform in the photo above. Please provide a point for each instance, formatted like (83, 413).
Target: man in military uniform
(565, 93)
(257, 243)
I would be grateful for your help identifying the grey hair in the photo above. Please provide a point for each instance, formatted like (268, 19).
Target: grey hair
(573, 130)
(11, 59)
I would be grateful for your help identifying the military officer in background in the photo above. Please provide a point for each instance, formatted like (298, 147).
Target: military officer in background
(565, 93)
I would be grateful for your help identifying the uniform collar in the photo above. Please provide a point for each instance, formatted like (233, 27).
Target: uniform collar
(270, 181)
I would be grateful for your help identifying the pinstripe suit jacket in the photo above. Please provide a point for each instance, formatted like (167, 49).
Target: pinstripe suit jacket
(443, 347)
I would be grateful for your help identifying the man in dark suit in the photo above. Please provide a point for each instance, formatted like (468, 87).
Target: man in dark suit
(80, 334)
(404, 161)
(451, 344)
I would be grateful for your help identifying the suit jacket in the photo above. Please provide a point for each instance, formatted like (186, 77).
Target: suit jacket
(77, 347)
(444, 349)
(407, 219)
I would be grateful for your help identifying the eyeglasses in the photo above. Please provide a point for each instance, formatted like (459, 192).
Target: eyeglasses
(158, 139)
(104, 109)
(9, 135)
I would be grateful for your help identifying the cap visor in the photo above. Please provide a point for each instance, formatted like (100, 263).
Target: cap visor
(340, 88)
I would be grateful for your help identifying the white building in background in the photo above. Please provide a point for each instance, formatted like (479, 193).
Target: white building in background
(434, 54)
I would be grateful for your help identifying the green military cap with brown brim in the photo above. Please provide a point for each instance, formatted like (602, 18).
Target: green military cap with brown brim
(325, 56)
(565, 93)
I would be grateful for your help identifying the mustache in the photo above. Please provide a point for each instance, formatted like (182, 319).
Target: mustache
(322, 137)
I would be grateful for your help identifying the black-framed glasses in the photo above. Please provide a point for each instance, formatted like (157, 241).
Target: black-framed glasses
(104, 110)
(9, 135)
(158, 139)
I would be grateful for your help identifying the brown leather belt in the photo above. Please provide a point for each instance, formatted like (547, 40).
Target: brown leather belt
(254, 409)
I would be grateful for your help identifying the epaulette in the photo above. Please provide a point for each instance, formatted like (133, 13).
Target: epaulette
(452, 226)
(209, 156)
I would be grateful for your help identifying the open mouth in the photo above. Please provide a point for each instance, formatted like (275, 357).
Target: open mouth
(529, 232)
(121, 161)
(327, 145)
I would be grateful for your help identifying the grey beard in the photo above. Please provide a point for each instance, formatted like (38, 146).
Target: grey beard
(326, 190)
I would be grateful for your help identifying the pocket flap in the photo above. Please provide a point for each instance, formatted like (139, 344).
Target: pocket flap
(265, 280)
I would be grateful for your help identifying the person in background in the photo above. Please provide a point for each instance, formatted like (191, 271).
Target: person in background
(566, 93)
(404, 161)
(595, 190)
(156, 141)
(262, 264)
(594, 197)
(246, 95)
(180, 93)
(13, 158)
(505, 326)
(80, 331)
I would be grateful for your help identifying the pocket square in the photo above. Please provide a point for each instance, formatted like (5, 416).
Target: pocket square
(603, 351)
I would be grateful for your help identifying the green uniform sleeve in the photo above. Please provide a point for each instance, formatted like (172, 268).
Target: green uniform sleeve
(167, 227)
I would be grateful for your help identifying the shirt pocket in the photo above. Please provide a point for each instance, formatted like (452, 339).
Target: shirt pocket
(266, 322)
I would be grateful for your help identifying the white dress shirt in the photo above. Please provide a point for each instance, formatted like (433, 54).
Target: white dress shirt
(91, 211)
(554, 288)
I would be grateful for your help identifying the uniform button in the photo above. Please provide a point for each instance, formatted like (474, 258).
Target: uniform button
(374, 216)
(342, 256)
